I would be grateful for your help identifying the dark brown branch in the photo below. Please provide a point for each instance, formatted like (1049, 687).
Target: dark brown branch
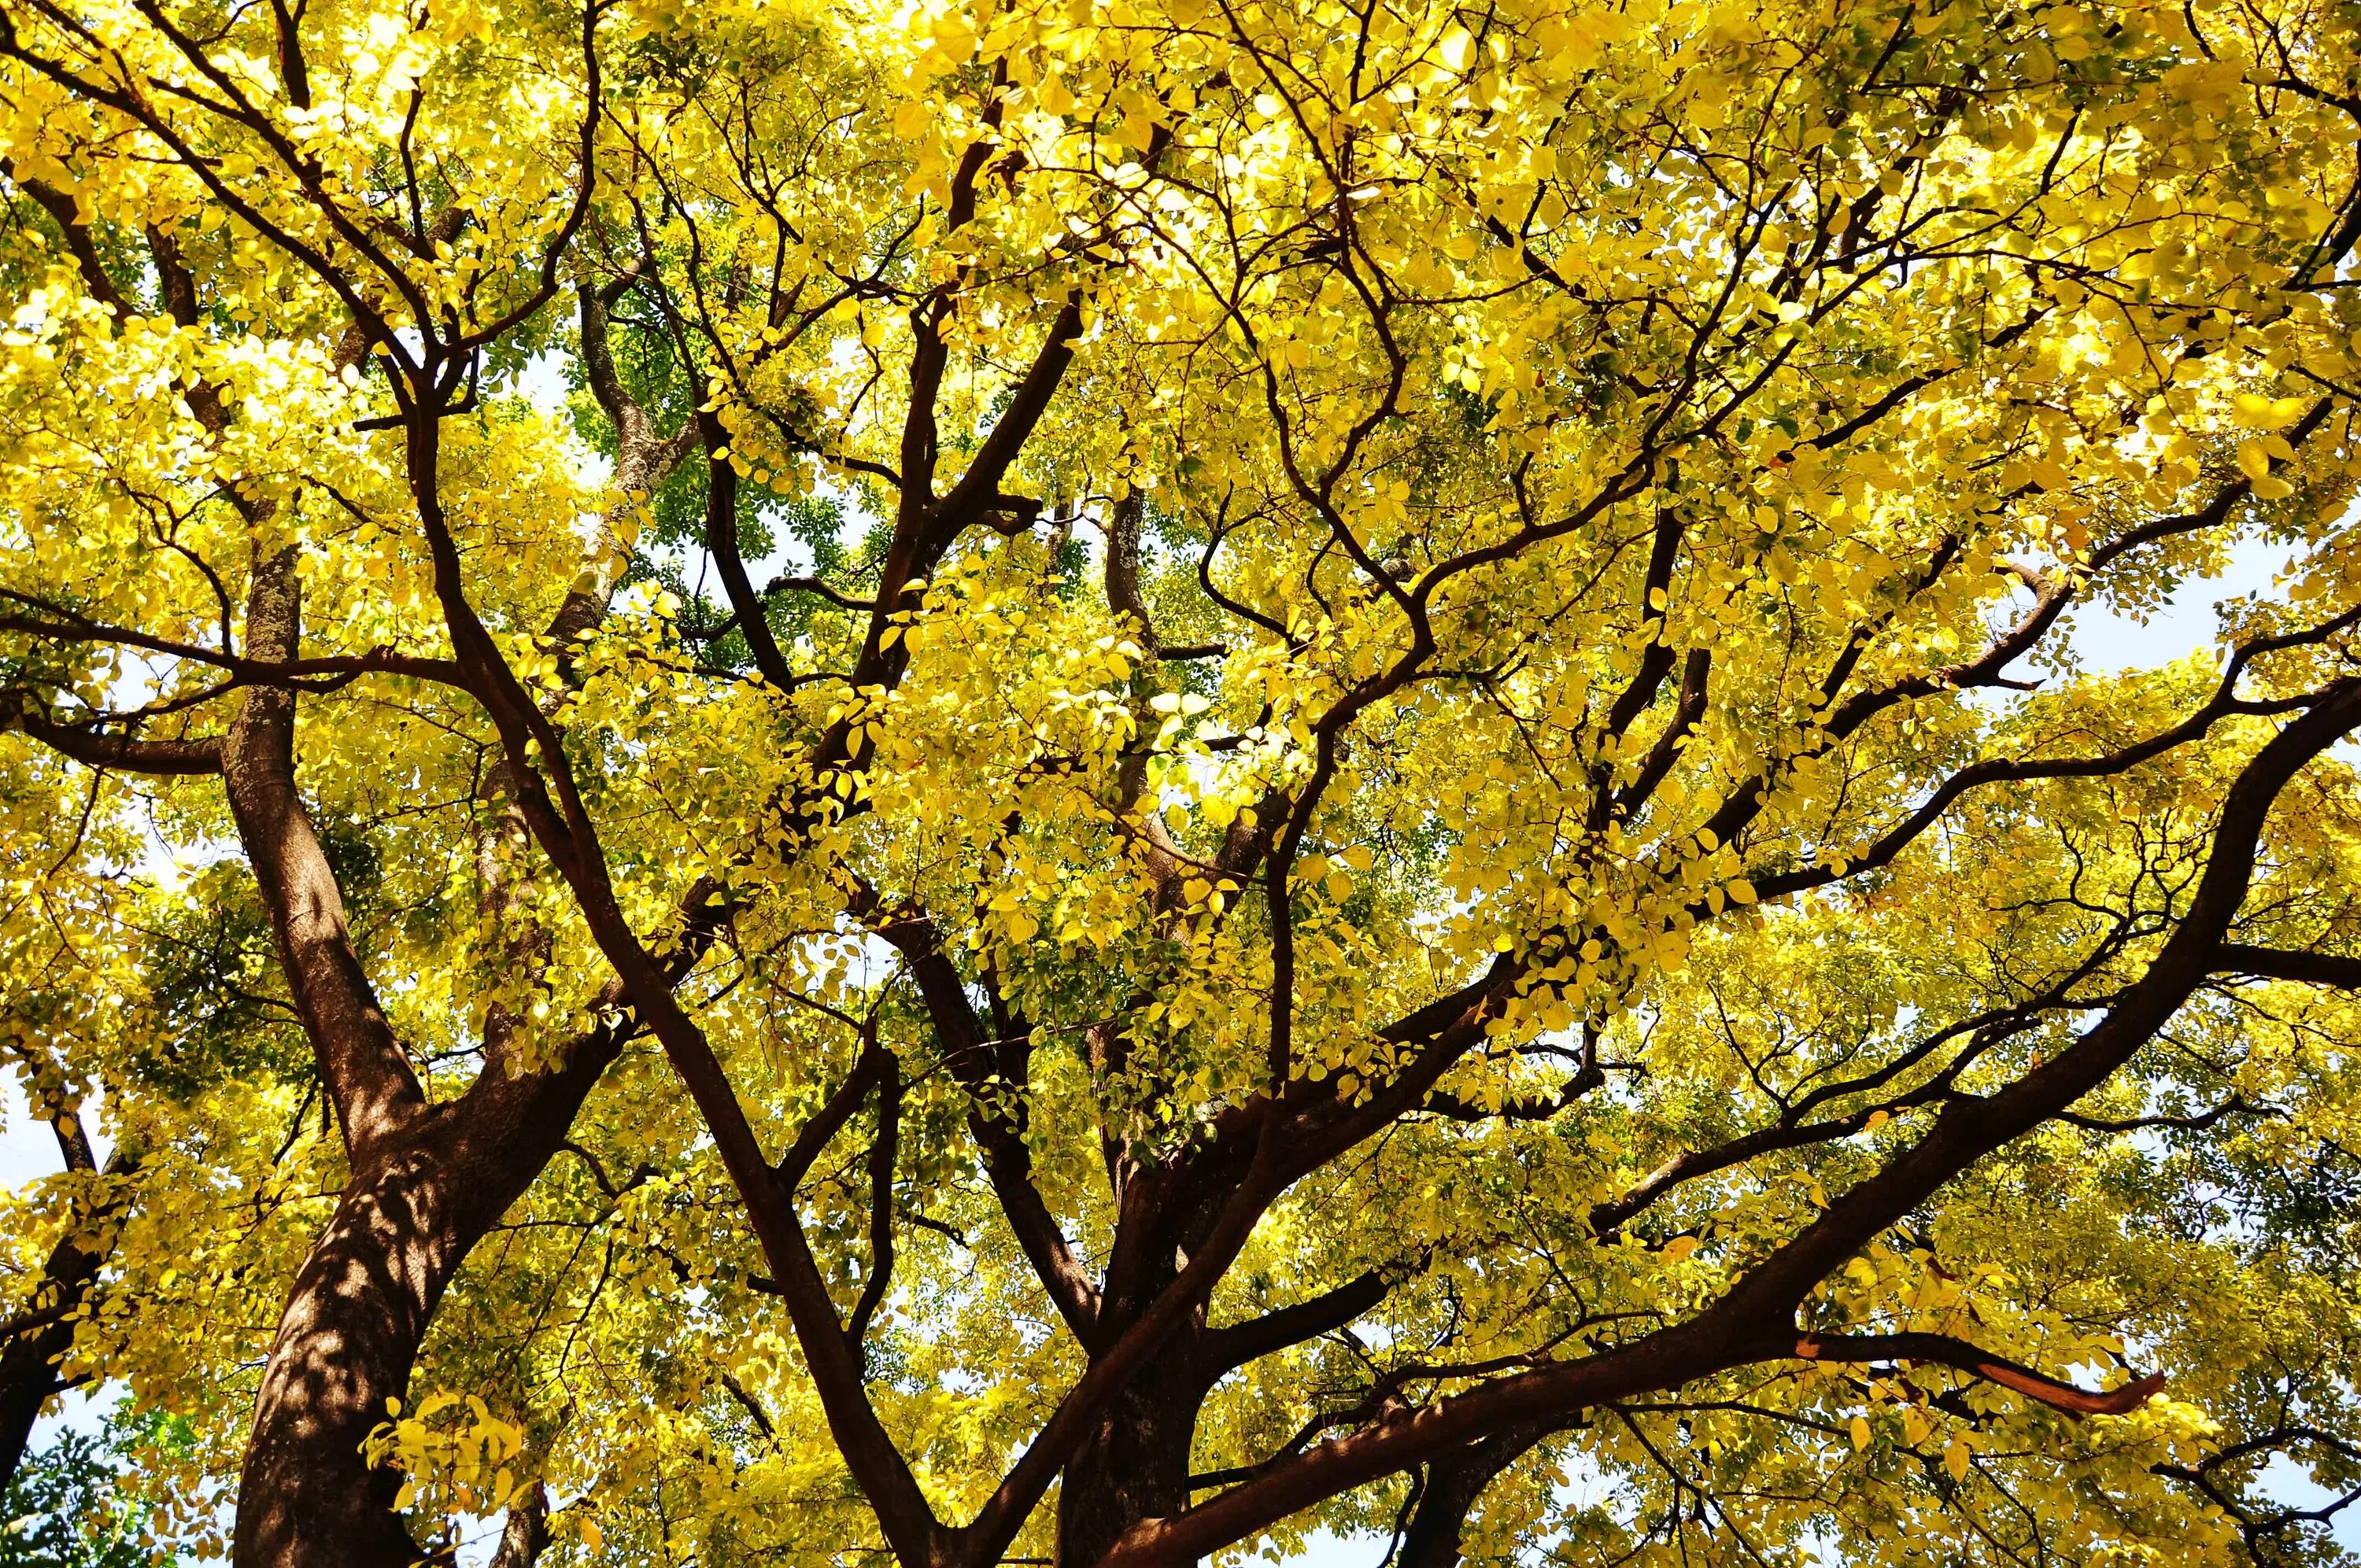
(63, 211)
(2287, 963)
(40, 1337)
(525, 1534)
(834, 595)
(369, 1076)
(1231, 1347)
(2236, 1105)
(883, 1152)
(1007, 1159)
(721, 543)
(327, 673)
(1449, 1490)
(119, 753)
(1942, 1350)
(796, 1162)
(747, 1402)
(1754, 1321)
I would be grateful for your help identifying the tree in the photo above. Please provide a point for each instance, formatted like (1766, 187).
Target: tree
(77, 1505)
(1407, 838)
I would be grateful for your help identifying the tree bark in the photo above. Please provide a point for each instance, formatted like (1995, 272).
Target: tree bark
(29, 1362)
(1134, 1465)
(426, 1181)
(526, 1534)
(368, 1078)
(1439, 1523)
(361, 1307)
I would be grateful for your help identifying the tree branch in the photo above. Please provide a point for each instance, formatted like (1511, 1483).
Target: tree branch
(1228, 1348)
(1945, 1351)
(2287, 963)
(118, 753)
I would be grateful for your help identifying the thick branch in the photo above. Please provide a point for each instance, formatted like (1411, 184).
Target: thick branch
(1275, 1331)
(118, 753)
(1451, 1488)
(1007, 1159)
(883, 1153)
(525, 1535)
(2287, 963)
(369, 1076)
(721, 543)
(67, 216)
(40, 1337)
(1753, 1321)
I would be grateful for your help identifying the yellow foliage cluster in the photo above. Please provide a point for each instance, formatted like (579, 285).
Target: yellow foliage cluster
(1098, 781)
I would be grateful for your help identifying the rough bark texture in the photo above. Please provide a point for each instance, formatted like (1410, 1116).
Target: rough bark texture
(360, 1303)
(361, 1307)
(1135, 1463)
(368, 1077)
(427, 1183)
(526, 1534)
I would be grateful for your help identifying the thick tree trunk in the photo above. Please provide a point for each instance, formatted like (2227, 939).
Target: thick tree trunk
(345, 1345)
(426, 1180)
(29, 1365)
(360, 1307)
(1134, 1463)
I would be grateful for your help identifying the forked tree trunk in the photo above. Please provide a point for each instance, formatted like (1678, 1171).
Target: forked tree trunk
(359, 1310)
(426, 1181)
(346, 1341)
(1438, 1526)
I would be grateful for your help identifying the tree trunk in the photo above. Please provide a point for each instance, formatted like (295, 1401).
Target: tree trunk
(427, 1181)
(526, 1534)
(29, 1362)
(345, 1345)
(1452, 1487)
(360, 1307)
(1135, 1464)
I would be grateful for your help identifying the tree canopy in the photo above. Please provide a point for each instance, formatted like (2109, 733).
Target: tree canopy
(1093, 783)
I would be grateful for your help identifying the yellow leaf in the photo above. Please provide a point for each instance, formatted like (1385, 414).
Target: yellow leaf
(2268, 414)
